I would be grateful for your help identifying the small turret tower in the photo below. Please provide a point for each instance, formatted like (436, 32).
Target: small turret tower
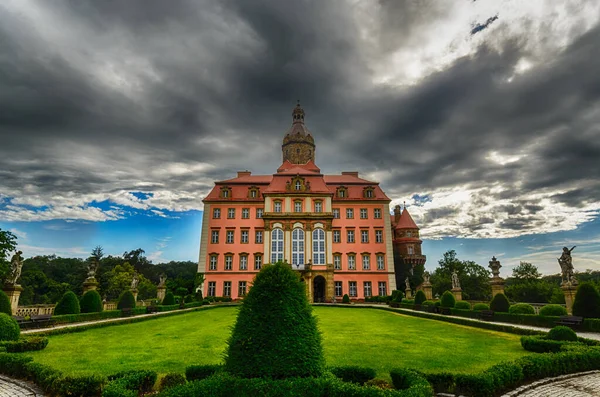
(298, 144)
(406, 242)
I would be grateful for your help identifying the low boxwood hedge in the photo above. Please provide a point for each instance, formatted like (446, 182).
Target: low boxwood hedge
(82, 317)
(171, 380)
(541, 344)
(464, 305)
(26, 344)
(562, 333)
(521, 308)
(481, 306)
(199, 372)
(353, 373)
(553, 310)
(141, 381)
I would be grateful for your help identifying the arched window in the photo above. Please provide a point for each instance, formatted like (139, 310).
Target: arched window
(277, 245)
(318, 247)
(298, 247)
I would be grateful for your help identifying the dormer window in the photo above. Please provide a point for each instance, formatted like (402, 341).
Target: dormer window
(253, 192)
(225, 192)
(298, 185)
(368, 192)
(342, 192)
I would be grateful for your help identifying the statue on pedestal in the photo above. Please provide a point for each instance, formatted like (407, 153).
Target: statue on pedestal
(495, 266)
(92, 268)
(407, 282)
(16, 265)
(162, 280)
(455, 280)
(566, 265)
(426, 277)
(135, 281)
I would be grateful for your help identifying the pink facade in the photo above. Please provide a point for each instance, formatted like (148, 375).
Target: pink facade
(335, 230)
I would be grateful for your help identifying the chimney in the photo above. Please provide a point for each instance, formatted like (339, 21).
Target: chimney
(397, 214)
(351, 173)
(244, 173)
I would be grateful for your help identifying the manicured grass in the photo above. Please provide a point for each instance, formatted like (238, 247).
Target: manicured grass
(366, 337)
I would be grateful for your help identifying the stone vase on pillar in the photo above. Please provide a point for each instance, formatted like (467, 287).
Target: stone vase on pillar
(13, 292)
(569, 290)
(408, 293)
(496, 281)
(457, 292)
(90, 284)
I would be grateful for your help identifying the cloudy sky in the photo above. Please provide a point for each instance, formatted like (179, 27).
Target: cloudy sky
(484, 116)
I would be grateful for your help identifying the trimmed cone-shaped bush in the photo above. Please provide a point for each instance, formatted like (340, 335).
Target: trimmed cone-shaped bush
(420, 297)
(587, 301)
(463, 305)
(9, 329)
(275, 335)
(91, 302)
(5, 304)
(448, 299)
(345, 299)
(169, 299)
(481, 306)
(562, 333)
(521, 308)
(68, 304)
(553, 310)
(126, 301)
(500, 303)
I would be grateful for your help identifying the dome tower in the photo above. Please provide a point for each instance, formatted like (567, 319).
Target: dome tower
(298, 144)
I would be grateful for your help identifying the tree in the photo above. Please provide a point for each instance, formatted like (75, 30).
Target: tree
(8, 244)
(526, 285)
(119, 280)
(474, 278)
(97, 253)
(587, 301)
(526, 271)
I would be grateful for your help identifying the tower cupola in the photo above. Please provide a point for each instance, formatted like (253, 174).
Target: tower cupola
(298, 144)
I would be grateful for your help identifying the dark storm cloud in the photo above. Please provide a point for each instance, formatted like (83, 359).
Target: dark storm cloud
(106, 97)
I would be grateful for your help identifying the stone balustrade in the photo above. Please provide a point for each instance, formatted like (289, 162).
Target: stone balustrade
(36, 310)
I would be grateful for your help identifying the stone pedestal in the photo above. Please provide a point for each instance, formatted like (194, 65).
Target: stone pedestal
(160, 294)
(428, 290)
(13, 292)
(569, 290)
(497, 284)
(408, 293)
(134, 291)
(457, 292)
(90, 284)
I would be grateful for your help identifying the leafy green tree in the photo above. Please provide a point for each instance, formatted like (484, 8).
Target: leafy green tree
(8, 244)
(526, 285)
(587, 301)
(5, 306)
(474, 278)
(119, 280)
(526, 271)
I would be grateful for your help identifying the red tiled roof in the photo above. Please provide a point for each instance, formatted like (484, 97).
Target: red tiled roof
(346, 179)
(249, 179)
(406, 221)
(288, 168)
(317, 185)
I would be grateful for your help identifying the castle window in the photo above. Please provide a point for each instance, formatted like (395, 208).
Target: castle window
(382, 289)
(242, 288)
(408, 234)
(337, 262)
(253, 193)
(411, 250)
(298, 247)
(367, 287)
(380, 262)
(349, 213)
(341, 192)
(244, 236)
(298, 185)
(225, 192)
(379, 236)
(212, 288)
(243, 262)
(277, 246)
(350, 236)
(257, 261)
(363, 213)
(277, 206)
(366, 262)
(228, 262)
(213, 262)
(352, 288)
(226, 288)
(297, 206)
(259, 213)
(338, 288)
(245, 213)
(377, 213)
(215, 237)
(259, 237)
(231, 213)
(351, 262)
(364, 236)
(336, 236)
(318, 206)
(318, 247)
(336, 213)
(229, 237)
(216, 213)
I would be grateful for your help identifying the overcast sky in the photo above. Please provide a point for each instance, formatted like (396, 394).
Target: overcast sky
(484, 116)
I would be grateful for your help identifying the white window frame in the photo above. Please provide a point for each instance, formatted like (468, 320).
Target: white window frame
(258, 262)
(216, 213)
(226, 288)
(258, 237)
(318, 206)
(214, 237)
(380, 262)
(351, 262)
(364, 236)
(337, 262)
(350, 237)
(230, 213)
(318, 239)
(349, 213)
(378, 236)
(352, 288)
(259, 213)
(339, 289)
(364, 213)
(277, 238)
(297, 206)
(228, 262)
(243, 262)
(277, 206)
(377, 213)
(212, 288)
(367, 288)
(213, 262)
(242, 288)
(382, 288)
(230, 237)
(244, 239)
(245, 213)
(366, 262)
(411, 250)
(337, 236)
(336, 213)
(298, 247)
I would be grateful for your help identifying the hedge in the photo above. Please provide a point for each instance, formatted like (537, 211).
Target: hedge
(500, 303)
(420, 297)
(126, 301)
(345, 299)
(411, 382)
(464, 305)
(141, 381)
(169, 299)
(9, 329)
(553, 310)
(91, 302)
(540, 344)
(587, 301)
(82, 317)
(562, 333)
(448, 300)
(199, 372)
(354, 374)
(68, 304)
(222, 384)
(521, 308)
(5, 306)
(481, 306)
(27, 344)
(171, 380)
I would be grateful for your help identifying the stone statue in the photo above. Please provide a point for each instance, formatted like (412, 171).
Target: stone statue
(426, 276)
(135, 281)
(566, 265)
(455, 280)
(16, 265)
(407, 282)
(162, 280)
(92, 268)
(495, 266)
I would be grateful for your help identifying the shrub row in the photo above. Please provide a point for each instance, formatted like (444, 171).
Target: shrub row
(77, 318)
(50, 380)
(354, 374)
(28, 344)
(199, 372)
(221, 384)
(130, 383)
(380, 299)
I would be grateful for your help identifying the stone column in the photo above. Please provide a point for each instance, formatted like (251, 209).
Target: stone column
(496, 282)
(13, 292)
(90, 284)
(428, 290)
(329, 287)
(569, 290)
(408, 293)
(160, 294)
(134, 291)
(457, 292)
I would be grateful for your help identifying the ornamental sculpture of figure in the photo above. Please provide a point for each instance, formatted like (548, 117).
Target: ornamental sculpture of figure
(455, 281)
(16, 264)
(426, 276)
(407, 282)
(566, 266)
(162, 280)
(495, 266)
(92, 268)
(135, 281)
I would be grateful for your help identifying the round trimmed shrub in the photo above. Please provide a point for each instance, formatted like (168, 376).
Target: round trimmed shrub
(481, 306)
(587, 301)
(521, 308)
(408, 301)
(126, 301)
(553, 310)
(68, 304)
(345, 299)
(169, 299)
(91, 302)
(170, 380)
(500, 303)
(420, 297)
(397, 296)
(354, 374)
(462, 305)
(5, 306)
(448, 300)
(428, 303)
(562, 333)
(275, 335)
(189, 299)
(9, 329)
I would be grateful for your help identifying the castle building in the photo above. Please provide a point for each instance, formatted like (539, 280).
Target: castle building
(336, 230)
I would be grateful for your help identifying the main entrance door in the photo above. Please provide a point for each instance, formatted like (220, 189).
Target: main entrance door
(319, 289)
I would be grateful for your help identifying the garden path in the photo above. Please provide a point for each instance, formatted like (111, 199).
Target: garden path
(17, 388)
(586, 384)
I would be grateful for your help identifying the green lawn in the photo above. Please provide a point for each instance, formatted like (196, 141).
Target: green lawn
(366, 337)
